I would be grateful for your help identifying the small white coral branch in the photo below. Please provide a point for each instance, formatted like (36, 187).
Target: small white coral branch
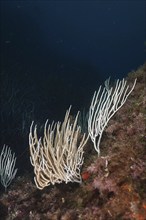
(7, 166)
(58, 156)
(105, 103)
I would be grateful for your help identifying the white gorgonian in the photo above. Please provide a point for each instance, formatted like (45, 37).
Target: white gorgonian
(7, 166)
(105, 103)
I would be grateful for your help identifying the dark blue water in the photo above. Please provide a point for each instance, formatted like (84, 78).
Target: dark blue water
(56, 53)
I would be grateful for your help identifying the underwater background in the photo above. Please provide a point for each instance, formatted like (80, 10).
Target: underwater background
(55, 54)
